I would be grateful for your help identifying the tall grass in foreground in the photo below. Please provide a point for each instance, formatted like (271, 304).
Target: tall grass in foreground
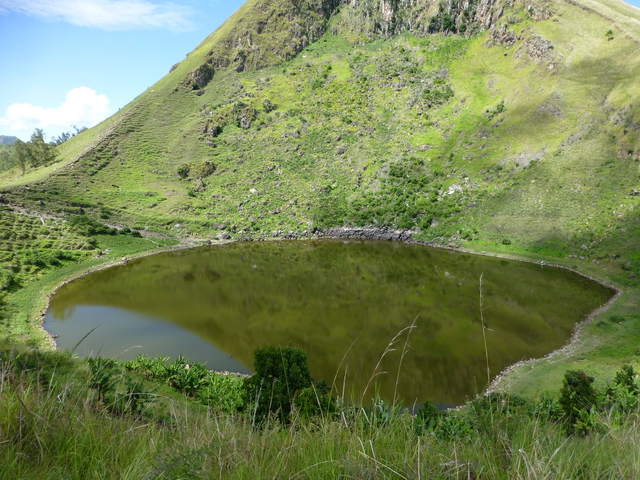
(53, 425)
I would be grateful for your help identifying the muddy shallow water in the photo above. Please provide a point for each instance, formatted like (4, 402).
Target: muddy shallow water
(343, 301)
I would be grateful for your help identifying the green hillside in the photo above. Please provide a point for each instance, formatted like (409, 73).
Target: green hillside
(527, 131)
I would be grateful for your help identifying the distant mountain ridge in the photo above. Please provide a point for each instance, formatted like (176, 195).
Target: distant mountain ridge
(7, 140)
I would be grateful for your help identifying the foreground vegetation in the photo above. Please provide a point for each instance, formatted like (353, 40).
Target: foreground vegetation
(68, 418)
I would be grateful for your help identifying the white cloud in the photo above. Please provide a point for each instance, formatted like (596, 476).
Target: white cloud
(105, 14)
(82, 107)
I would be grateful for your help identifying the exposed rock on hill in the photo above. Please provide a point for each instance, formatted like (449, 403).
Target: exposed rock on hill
(419, 17)
(273, 32)
(277, 31)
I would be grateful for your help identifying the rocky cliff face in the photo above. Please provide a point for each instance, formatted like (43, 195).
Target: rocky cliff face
(273, 32)
(420, 17)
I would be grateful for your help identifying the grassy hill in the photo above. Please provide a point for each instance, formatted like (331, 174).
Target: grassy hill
(527, 131)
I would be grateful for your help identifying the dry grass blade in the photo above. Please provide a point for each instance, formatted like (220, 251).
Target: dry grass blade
(335, 377)
(389, 348)
(404, 351)
(484, 335)
(82, 339)
(375, 460)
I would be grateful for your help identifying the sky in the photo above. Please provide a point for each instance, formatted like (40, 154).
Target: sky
(75, 62)
(69, 63)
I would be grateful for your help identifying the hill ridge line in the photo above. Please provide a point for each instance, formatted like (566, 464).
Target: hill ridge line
(587, 8)
(105, 135)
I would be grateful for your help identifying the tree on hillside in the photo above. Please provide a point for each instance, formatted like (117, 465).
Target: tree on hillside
(40, 152)
(64, 136)
(20, 155)
(5, 160)
(36, 152)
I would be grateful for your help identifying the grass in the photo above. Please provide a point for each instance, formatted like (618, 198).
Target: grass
(173, 437)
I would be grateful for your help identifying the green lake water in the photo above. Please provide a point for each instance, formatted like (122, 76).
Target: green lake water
(341, 301)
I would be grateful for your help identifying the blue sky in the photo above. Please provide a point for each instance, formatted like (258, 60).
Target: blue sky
(75, 62)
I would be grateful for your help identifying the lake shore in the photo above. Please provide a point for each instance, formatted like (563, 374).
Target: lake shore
(498, 381)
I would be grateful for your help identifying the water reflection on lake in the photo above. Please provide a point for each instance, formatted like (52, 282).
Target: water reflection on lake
(341, 301)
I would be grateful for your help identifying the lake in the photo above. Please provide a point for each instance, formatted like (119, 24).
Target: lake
(342, 301)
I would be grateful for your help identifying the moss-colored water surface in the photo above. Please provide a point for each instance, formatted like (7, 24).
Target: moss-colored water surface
(342, 301)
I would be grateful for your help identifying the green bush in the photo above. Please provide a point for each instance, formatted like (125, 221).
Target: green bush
(88, 227)
(280, 373)
(627, 378)
(314, 401)
(545, 409)
(577, 399)
(102, 371)
(7, 278)
(189, 378)
(104, 213)
(222, 393)
(133, 400)
(616, 319)
(427, 418)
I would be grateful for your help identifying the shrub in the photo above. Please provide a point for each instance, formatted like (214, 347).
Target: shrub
(133, 400)
(6, 279)
(102, 371)
(280, 373)
(315, 400)
(427, 418)
(577, 399)
(221, 392)
(627, 378)
(189, 378)
(616, 319)
(546, 408)
(622, 398)
(88, 227)
(104, 213)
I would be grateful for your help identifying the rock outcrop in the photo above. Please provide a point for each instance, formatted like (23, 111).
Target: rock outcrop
(272, 32)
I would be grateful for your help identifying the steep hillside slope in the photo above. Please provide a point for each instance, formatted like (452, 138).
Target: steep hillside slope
(485, 121)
